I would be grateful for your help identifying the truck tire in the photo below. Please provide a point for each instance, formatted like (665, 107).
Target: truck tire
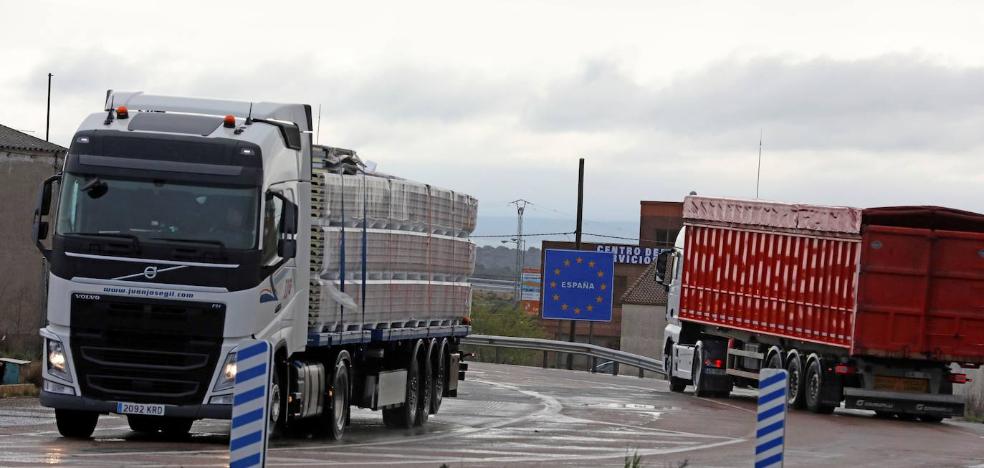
(405, 415)
(700, 383)
(336, 413)
(278, 408)
(440, 365)
(426, 382)
(814, 388)
(676, 384)
(76, 424)
(794, 392)
(930, 419)
(774, 361)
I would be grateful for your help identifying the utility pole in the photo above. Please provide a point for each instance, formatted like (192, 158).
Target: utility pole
(758, 174)
(520, 246)
(47, 120)
(577, 242)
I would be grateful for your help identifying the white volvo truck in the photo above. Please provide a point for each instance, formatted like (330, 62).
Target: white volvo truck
(182, 227)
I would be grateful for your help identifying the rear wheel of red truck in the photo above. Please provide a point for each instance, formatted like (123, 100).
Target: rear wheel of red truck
(795, 391)
(76, 424)
(700, 384)
(814, 389)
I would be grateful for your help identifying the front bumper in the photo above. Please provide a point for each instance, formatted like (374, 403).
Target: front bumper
(70, 402)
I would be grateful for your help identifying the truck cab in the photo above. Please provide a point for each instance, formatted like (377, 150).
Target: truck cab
(175, 230)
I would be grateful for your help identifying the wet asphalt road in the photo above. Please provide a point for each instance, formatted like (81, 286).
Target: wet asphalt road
(521, 416)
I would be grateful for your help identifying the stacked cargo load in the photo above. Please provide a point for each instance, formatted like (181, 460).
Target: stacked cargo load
(386, 252)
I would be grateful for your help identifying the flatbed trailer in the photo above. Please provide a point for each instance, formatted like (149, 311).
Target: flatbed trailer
(874, 308)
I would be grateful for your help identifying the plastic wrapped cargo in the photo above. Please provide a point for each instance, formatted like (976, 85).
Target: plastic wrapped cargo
(402, 244)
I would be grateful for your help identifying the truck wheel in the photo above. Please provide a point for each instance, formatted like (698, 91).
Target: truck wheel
(794, 391)
(440, 368)
(931, 419)
(700, 386)
(76, 424)
(336, 414)
(814, 387)
(676, 384)
(278, 412)
(774, 361)
(404, 416)
(426, 384)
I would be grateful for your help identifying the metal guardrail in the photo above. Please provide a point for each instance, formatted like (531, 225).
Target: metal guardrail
(590, 350)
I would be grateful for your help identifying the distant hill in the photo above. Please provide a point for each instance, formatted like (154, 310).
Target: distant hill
(504, 226)
(500, 262)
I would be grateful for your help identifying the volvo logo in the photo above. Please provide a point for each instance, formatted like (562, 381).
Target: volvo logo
(150, 272)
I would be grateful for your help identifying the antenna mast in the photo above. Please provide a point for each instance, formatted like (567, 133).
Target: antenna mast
(520, 246)
(758, 174)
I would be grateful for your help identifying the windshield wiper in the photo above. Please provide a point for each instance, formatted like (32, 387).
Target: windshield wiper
(113, 235)
(216, 243)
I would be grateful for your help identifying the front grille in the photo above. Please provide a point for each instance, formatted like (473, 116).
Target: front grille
(145, 350)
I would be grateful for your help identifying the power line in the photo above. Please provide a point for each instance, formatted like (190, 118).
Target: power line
(526, 235)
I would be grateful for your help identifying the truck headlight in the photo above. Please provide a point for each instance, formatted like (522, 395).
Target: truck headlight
(227, 375)
(58, 361)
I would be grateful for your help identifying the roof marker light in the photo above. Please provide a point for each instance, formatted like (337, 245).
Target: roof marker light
(229, 121)
(122, 112)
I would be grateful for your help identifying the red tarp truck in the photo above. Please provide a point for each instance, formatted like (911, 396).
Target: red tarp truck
(877, 308)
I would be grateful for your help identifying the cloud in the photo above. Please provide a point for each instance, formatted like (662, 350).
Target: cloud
(885, 103)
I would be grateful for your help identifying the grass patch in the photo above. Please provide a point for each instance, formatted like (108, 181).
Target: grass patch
(494, 315)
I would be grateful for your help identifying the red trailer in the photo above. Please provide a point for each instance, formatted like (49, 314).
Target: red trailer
(867, 306)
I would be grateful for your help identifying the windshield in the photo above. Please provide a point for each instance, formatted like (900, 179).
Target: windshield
(158, 211)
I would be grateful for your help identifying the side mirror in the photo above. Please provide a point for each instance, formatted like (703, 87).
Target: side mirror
(288, 217)
(39, 228)
(665, 267)
(661, 262)
(287, 248)
(286, 244)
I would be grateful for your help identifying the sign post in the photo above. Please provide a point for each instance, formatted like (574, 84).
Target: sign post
(771, 416)
(250, 405)
(577, 285)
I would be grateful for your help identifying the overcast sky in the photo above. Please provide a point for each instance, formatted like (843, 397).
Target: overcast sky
(860, 103)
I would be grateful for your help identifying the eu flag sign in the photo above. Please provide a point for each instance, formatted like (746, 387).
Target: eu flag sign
(577, 285)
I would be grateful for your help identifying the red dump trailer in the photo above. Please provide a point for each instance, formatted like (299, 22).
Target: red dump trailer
(875, 308)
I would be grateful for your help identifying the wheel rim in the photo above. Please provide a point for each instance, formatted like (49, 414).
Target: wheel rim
(794, 382)
(698, 365)
(814, 387)
(412, 398)
(338, 405)
(275, 403)
(439, 383)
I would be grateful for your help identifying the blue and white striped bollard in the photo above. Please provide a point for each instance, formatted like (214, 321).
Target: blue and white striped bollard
(771, 428)
(248, 431)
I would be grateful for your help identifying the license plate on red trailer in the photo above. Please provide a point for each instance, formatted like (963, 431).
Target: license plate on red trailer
(901, 384)
(140, 408)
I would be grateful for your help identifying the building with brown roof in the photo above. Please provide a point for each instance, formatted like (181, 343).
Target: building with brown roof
(25, 161)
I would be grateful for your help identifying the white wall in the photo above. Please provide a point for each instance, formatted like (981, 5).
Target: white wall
(642, 332)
